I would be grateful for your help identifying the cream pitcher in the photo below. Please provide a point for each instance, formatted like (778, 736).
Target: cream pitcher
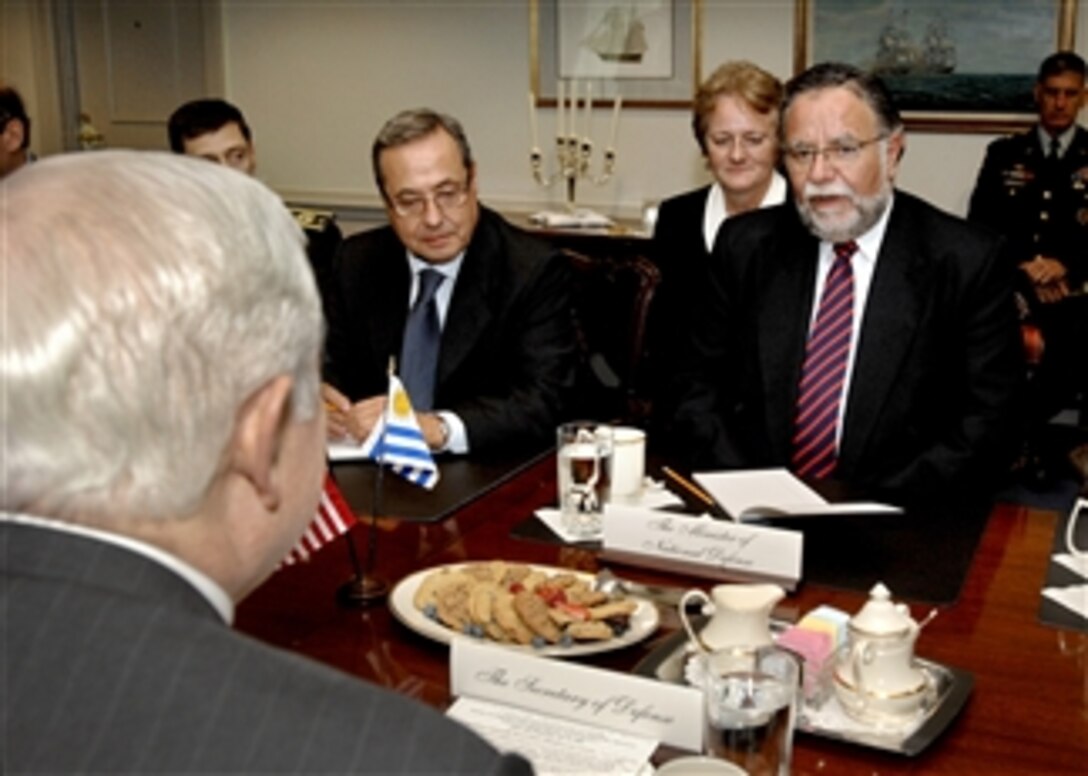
(740, 616)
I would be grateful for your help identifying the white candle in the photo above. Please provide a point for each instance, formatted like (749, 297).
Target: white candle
(559, 106)
(572, 118)
(589, 109)
(533, 129)
(616, 103)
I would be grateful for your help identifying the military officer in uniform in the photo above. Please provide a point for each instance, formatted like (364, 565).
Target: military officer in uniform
(215, 130)
(1033, 188)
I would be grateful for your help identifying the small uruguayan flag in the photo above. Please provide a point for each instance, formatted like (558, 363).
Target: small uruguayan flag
(397, 441)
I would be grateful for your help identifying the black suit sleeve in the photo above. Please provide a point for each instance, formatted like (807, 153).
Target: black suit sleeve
(532, 371)
(977, 404)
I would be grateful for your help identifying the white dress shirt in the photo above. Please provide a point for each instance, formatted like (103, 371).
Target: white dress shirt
(715, 211)
(863, 265)
(1064, 139)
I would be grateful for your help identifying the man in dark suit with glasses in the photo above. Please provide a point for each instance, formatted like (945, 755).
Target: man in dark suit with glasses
(476, 313)
(856, 333)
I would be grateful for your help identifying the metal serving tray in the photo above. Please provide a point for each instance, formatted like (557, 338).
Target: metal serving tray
(824, 718)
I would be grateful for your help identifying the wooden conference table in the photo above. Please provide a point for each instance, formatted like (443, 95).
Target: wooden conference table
(1028, 712)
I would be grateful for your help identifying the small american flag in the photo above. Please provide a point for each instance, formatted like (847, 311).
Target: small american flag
(334, 517)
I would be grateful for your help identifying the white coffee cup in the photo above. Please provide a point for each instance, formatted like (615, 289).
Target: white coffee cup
(1080, 509)
(628, 462)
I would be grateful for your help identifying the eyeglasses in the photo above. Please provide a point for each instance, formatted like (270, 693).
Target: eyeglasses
(751, 141)
(840, 154)
(448, 196)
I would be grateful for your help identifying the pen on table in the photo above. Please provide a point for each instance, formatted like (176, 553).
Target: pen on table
(694, 490)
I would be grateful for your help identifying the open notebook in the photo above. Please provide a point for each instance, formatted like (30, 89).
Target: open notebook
(765, 493)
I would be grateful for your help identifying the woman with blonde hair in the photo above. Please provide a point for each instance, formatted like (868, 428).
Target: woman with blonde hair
(735, 122)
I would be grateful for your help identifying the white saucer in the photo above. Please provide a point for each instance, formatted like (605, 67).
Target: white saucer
(700, 765)
(885, 710)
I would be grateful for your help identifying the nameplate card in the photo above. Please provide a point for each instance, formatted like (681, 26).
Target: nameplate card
(596, 697)
(744, 551)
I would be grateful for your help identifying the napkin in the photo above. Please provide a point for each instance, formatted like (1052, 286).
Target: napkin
(654, 496)
(1072, 597)
(551, 517)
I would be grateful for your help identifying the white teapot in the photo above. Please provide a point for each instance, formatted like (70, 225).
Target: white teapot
(876, 671)
(740, 616)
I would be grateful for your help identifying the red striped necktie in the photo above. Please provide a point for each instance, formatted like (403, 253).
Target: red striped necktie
(824, 371)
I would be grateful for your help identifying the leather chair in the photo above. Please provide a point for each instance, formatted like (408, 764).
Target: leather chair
(612, 300)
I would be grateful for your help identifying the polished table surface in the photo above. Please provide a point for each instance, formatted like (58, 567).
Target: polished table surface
(1028, 712)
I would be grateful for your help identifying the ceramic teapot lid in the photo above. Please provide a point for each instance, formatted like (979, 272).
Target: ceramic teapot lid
(880, 617)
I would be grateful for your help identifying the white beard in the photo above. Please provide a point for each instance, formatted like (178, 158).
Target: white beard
(836, 228)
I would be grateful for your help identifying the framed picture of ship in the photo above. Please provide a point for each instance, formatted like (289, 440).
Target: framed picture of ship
(953, 66)
(645, 50)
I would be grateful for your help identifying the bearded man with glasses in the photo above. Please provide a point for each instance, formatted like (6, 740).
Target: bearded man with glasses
(476, 313)
(856, 333)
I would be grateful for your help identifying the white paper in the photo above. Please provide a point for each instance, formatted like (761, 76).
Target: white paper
(1074, 598)
(554, 746)
(754, 493)
(578, 219)
(343, 450)
(1078, 564)
(620, 702)
(750, 550)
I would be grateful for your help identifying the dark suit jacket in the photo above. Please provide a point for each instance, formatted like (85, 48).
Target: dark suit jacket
(936, 371)
(112, 663)
(1041, 207)
(679, 251)
(678, 235)
(508, 356)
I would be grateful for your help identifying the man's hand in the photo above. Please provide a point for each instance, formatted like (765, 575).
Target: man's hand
(347, 420)
(1049, 293)
(434, 430)
(1044, 271)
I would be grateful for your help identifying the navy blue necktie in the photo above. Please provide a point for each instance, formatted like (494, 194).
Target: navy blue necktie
(422, 337)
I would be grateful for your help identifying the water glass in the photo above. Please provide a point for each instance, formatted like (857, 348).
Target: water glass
(584, 459)
(751, 704)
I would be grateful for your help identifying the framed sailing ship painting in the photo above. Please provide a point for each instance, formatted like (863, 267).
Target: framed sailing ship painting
(645, 50)
(953, 66)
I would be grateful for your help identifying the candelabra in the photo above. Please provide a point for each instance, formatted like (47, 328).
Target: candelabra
(573, 160)
(573, 149)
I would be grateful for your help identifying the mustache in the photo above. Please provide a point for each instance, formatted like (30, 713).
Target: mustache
(832, 189)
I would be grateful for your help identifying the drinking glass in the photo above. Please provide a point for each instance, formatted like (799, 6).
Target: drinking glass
(750, 699)
(584, 458)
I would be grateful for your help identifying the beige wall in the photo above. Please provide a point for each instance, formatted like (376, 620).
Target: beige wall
(317, 80)
(27, 62)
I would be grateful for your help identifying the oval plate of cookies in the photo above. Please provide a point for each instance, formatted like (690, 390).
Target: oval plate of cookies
(540, 609)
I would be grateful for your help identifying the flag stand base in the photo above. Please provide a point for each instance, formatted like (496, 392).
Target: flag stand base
(362, 591)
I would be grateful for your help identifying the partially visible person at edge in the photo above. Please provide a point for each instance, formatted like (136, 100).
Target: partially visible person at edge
(216, 130)
(1033, 189)
(164, 450)
(496, 370)
(14, 132)
(856, 333)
